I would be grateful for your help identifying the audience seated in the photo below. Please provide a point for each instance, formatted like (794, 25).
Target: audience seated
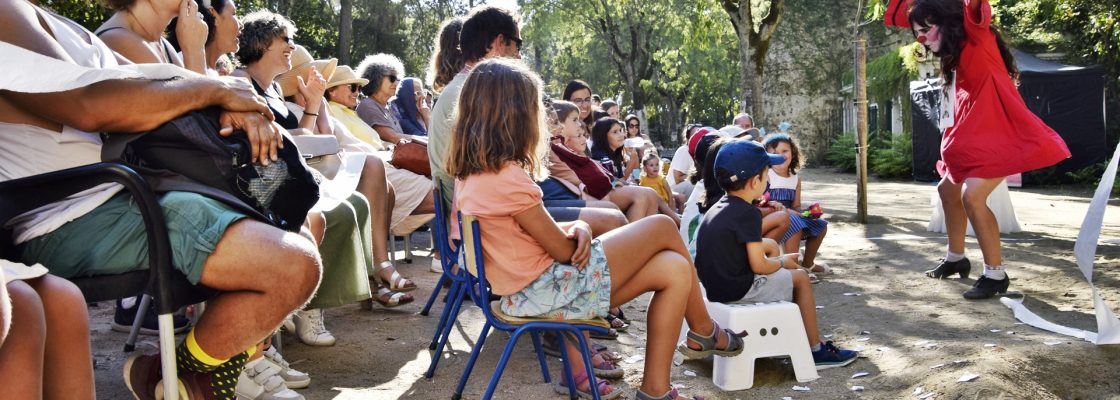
(411, 107)
(259, 270)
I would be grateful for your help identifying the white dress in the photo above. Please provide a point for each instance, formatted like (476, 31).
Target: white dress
(1000, 203)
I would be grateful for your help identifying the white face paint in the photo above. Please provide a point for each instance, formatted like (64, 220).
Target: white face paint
(929, 36)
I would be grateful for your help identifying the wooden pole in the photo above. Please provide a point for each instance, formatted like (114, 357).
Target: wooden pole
(859, 87)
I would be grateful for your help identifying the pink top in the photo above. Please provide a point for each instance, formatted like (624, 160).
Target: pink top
(514, 259)
(994, 134)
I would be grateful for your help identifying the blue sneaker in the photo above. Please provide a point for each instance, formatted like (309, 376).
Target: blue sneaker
(830, 356)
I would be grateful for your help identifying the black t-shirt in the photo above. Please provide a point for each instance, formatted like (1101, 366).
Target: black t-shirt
(721, 253)
(286, 118)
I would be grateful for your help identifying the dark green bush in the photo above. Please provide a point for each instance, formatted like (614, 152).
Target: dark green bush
(896, 159)
(842, 153)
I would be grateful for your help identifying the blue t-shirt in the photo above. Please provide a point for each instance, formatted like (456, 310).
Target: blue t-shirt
(721, 252)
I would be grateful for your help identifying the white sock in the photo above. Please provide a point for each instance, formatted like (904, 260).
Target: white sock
(994, 272)
(953, 257)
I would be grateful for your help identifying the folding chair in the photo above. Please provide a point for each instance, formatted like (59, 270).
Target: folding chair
(455, 291)
(168, 286)
(479, 289)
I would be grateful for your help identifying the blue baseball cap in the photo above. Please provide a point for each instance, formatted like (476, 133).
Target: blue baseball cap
(743, 158)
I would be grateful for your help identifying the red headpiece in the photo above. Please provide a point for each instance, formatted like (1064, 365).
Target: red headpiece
(898, 14)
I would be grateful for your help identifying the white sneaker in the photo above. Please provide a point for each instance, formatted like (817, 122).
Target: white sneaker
(288, 325)
(437, 266)
(310, 328)
(258, 381)
(293, 379)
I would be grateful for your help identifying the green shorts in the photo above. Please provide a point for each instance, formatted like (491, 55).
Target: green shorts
(111, 239)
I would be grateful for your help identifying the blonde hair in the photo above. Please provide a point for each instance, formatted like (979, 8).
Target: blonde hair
(500, 121)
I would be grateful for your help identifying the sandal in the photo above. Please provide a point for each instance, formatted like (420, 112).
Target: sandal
(813, 279)
(606, 368)
(580, 379)
(396, 281)
(620, 315)
(617, 323)
(388, 299)
(820, 268)
(708, 344)
(667, 396)
(610, 335)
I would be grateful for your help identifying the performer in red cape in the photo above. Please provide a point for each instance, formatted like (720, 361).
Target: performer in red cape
(988, 131)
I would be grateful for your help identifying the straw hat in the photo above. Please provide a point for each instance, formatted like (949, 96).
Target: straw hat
(343, 75)
(301, 63)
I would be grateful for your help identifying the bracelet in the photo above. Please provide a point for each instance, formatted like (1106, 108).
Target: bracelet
(312, 114)
(781, 263)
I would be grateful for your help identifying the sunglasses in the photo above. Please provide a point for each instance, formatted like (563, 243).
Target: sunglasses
(392, 78)
(354, 87)
(516, 41)
(633, 125)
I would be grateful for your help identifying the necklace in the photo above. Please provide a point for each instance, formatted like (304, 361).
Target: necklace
(159, 49)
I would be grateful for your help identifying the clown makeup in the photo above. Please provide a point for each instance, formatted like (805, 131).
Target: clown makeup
(929, 36)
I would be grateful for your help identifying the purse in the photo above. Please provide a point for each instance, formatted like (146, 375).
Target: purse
(412, 156)
(320, 152)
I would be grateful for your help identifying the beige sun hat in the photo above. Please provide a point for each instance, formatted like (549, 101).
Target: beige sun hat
(344, 75)
(301, 63)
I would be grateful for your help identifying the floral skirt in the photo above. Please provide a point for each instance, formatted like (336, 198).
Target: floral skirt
(566, 292)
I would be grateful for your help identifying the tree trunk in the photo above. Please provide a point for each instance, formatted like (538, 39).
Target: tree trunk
(753, 47)
(345, 30)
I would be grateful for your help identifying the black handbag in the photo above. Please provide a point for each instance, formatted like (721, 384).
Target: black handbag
(188, 154)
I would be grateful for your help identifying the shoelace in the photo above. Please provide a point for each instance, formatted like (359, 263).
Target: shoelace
(316, 320)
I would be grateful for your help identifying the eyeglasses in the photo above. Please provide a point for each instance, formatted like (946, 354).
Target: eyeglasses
(392, 78)
(578, 100)
(516, 41)
(286, 39)
(633, 125)
(354, 87)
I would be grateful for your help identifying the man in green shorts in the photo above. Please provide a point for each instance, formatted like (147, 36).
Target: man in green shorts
(61, 86)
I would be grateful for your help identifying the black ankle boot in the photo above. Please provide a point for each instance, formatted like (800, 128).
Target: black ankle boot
(946, 268)
(987, 287)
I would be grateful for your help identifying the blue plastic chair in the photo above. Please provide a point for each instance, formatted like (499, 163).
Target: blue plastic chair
(455, 292)
(479, 289)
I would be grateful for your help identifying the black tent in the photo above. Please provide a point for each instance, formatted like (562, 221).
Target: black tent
(1068, 98)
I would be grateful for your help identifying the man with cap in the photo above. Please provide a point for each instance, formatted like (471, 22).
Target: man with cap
(731, 261)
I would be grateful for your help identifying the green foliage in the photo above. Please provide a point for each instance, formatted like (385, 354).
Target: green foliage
(841, 153)
(89, 14)
(896, 160)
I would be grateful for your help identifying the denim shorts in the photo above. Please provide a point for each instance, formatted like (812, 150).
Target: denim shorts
(554, 190)
(566, 292)
(111, 239)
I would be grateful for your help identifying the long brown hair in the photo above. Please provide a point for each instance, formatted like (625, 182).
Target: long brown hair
(949, 16)
(447, 60)
(500, 121)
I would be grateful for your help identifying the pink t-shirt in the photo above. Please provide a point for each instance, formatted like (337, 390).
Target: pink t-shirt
(514, 259)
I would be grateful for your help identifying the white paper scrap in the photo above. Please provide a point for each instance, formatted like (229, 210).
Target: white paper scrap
(968, 377)
(863, 339)
(927, 396)
(1052, 342)
(989, 345)
(995, 331)
(689, 373)
(917, 390)
(857, 388)
(884, 349)
(859, 375)
(936, 366)
(801, 388)
(921, 343)
(1085, 250)
(820, 307)
(853, 294)
(635, 358)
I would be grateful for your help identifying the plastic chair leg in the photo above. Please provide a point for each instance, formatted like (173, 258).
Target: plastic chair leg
(540, 355)
(506, 353)
(443, 331)
(470, 362)
(141, 311)
(435, 293)
(408, 248)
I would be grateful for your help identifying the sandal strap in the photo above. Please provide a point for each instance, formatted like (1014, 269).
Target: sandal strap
(734, 340)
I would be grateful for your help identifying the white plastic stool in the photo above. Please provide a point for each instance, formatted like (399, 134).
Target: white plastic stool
(773, 329)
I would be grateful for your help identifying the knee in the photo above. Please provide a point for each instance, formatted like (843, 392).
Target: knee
(800, 278)
(27, 310)
(975, 200)
(302, 271)
(64, 302)
(374, 167)
(948, 191)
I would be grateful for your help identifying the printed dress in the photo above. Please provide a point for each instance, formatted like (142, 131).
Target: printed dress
(783, 190)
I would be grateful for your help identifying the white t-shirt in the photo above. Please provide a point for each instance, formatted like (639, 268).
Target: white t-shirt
(27, 150)
(681, 162)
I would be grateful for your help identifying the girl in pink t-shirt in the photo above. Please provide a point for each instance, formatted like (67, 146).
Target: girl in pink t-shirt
(542, 268)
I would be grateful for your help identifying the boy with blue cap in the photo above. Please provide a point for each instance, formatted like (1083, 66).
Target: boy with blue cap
(730, 257)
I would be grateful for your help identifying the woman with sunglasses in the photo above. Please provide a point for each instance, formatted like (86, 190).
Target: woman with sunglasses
(383, 71)
(265, 51)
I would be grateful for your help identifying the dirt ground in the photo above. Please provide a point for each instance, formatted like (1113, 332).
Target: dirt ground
(911, 324)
